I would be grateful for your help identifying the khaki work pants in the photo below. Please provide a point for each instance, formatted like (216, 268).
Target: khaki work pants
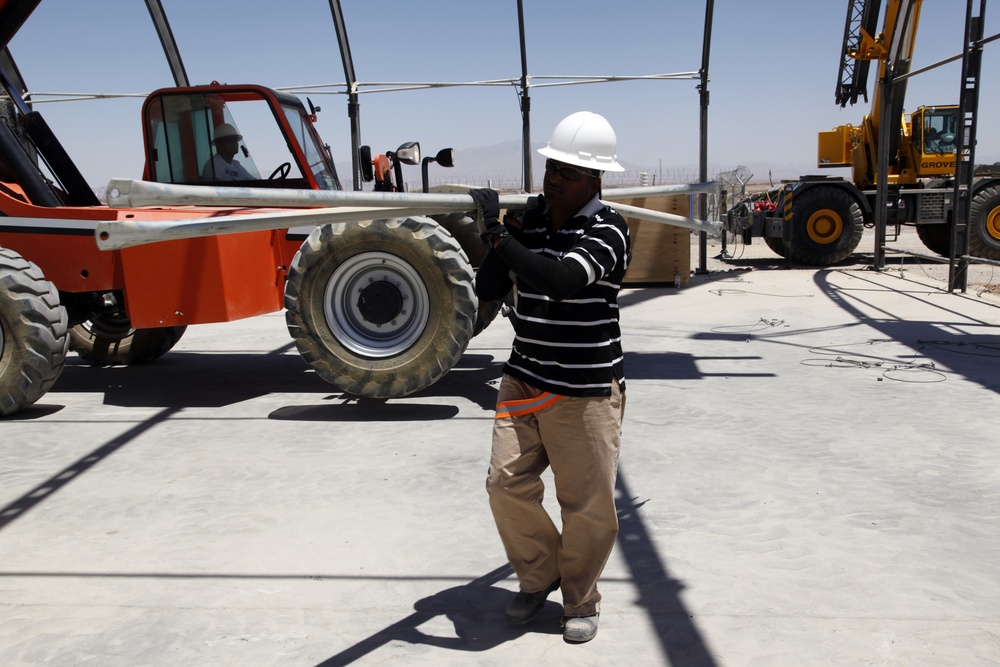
(580, 439)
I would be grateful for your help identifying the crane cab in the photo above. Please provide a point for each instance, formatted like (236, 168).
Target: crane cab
(932, 140)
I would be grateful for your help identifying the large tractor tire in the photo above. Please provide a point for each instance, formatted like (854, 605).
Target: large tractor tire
(936, 238)
(466, 232)
(984, 232)
(33, 337)
(827, 226)
(381, 308)
(111, 341)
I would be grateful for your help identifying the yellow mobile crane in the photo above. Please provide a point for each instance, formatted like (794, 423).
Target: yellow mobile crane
(820, 220)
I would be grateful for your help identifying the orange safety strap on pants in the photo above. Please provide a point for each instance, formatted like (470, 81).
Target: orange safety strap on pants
(526, 406)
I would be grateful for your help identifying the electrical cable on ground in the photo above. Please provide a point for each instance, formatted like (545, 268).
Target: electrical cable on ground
(910, 372)
(723, 292)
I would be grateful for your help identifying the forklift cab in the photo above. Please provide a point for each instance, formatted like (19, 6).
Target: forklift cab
(277, 144)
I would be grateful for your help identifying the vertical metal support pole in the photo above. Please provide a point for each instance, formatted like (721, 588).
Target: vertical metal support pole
(891, 94)
(353, 106)
(965, 149)
(525, 102)
(706, 50)
(882, 175)
(168, 42)
(354, 115)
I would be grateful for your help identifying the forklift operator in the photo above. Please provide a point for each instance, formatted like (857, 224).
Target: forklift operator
(224, 166)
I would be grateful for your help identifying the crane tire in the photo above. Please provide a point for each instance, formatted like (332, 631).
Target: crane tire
(776, 244)
(381, 308)
(984, 232)
(827, 226)
(936, 238)
(33, 333)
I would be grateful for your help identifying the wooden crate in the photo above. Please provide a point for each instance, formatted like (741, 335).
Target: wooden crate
(659, 252)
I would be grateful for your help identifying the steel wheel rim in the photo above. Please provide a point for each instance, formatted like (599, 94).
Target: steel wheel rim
(825, 226)
(346, 314)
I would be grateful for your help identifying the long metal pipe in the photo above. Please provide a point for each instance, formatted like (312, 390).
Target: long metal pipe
(326, 207)
(132, 193)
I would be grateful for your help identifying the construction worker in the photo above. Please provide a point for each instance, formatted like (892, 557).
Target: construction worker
(224, 166)
(562, 394)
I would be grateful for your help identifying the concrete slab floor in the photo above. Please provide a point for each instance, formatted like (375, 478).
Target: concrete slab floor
(809, 476)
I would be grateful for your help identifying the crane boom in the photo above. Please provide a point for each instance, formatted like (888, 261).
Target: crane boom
(859, 147)
(852, 81)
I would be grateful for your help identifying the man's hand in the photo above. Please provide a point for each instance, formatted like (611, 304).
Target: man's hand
(489, 207)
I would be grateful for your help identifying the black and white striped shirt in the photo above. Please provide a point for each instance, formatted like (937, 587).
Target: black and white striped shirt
(572, 346)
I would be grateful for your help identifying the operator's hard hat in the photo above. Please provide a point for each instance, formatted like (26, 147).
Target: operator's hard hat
(584, 139)
(225, 131)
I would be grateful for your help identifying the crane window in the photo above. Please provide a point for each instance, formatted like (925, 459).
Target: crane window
(939, 130)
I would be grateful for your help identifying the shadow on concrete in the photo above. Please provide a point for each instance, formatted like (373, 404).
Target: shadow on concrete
(472, 379)
(17, 508)
(677, 366)
(955, 342)
(365, 410)
(191, 380)
(476, 610)
(180, 380)
(659, 593)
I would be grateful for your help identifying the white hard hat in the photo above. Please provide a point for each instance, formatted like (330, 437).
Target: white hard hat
(225, 130)
(584, 139)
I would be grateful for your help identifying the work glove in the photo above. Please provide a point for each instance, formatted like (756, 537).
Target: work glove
(489, 208)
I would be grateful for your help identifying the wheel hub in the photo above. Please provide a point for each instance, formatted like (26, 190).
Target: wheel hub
(993, 223)
(825, 226)
(380, 303)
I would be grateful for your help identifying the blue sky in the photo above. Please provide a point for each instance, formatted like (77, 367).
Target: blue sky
(773, 71)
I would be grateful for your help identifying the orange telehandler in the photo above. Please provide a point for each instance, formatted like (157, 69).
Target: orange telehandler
(378, 307)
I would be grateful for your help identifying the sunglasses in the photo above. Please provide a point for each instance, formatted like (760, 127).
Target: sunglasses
(565, 171)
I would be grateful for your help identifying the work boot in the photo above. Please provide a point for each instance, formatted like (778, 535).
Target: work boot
(525, 606)
(579, 629)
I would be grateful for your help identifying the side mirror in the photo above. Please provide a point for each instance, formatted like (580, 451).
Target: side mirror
(408, 153)
(365, 157)
(445, 157)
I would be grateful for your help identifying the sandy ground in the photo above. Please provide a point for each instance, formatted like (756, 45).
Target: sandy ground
(809, 476)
